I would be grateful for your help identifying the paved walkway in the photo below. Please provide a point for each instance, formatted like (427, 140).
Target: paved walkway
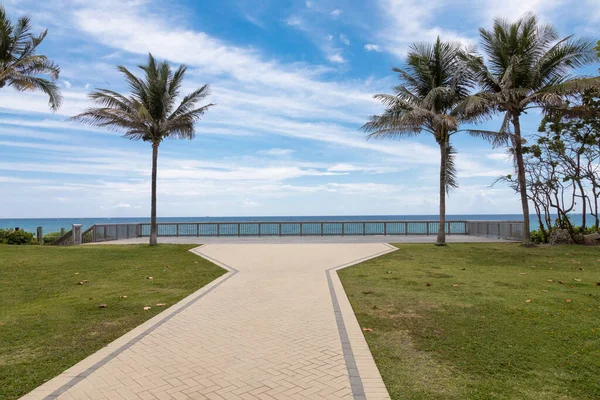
(277, 326)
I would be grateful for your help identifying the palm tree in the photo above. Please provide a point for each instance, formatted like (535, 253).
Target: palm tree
(430, 99)
(19, 63)
(149, 113)
(528, 66)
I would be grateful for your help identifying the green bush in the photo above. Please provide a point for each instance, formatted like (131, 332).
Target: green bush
(11, 236)
(51, 237)
(537, 237)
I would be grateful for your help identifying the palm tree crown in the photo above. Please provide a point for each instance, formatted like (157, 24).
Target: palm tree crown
(434, 85)
(150, 113)
(528, 66)
(19, 63)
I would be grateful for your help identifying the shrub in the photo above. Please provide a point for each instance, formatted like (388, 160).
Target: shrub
(51, 237)
(11, 236)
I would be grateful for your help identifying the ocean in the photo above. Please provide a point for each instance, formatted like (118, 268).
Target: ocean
(55, 224)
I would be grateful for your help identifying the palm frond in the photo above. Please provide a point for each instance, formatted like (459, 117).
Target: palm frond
(20, 66)
(450, 172)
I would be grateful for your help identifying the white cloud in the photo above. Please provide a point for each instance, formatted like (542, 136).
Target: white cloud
(344, 39)
(250, 203)
(67, 84)
(276, 152)
(293, 21)
(308, 4)
(372, 47)
(336, 58)
(336, 13)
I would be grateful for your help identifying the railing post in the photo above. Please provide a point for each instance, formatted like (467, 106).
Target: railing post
(343, 229)
(301, 228)
(321, 229)
(76, 233)
(385, 229)
(40, 235)
(218, 229)
(198, 230)
(177, 229)
(406, 228)
(259, 229)
(94, 233)
(427, 229)
(510, 231)
(239, 229)
(62, 231)
(448, 224)
(280, 229)
(499, 229)
(364, 229)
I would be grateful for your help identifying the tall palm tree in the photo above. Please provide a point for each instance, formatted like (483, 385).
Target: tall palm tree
(150, 112)
(528, 66)
(429, 99)
(20, 66)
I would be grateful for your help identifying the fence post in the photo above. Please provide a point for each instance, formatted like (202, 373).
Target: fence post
(448, 224)
(259, 230)
(364, 229)
(301, 228)
(406, 228)
(62, 231)
(427, 230)
(510, 232)
(40, 235)
(218, 229)
(94, 233)
(385, 229)
(239, 229)
(321, 229)
(280, 229)
(76, 233)
(343, 229)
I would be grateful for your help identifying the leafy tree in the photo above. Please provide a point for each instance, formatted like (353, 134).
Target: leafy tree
(20, 66)
(528, 65)
(150, 113)
(429, 99)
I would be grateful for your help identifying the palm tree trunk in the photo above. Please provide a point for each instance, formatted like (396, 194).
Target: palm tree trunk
(153, 226)
(441, 236)
(521, 179)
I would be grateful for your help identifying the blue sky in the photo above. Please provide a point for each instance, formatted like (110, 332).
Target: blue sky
(293, 82)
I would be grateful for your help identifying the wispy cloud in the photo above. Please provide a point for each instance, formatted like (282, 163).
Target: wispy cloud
(372, 47)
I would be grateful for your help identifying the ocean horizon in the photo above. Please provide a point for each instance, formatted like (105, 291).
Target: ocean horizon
(55, 224)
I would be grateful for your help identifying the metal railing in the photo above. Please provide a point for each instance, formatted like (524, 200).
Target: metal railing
(501, 229)
(303, 228)
(106, 232)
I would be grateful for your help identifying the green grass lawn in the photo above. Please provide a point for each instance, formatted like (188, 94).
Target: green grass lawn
(48, 322)
(482, 339)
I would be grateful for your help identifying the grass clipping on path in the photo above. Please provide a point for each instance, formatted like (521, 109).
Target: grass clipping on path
(482, 321)
(61, 304)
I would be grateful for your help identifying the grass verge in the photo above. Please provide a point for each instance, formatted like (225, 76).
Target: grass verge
(49, 322)
(482, 321)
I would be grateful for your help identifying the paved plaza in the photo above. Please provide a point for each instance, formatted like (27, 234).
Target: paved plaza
(278, 325)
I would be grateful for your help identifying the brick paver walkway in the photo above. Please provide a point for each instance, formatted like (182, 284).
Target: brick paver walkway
(277, 326)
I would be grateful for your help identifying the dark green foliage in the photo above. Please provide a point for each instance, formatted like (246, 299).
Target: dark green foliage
(20, 66)
(11, 236)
